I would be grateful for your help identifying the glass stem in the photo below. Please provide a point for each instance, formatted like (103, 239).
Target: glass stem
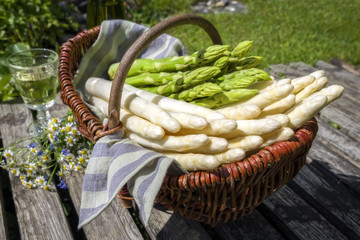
(43, 116)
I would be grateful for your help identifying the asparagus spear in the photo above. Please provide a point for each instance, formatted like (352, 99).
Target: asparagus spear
(242, 49)
(178, 63)
(225, 97)
(156, 79)
(248, 62)
(242, 78)
(211, 54)
(192, 78)
(199, 91)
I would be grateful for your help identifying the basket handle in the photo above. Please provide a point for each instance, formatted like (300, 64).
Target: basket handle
(138, 46)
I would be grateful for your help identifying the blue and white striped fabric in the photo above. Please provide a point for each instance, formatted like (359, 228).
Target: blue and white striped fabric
(115, 160)
(115, 38)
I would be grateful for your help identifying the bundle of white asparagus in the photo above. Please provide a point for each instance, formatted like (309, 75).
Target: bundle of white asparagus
(201, 138)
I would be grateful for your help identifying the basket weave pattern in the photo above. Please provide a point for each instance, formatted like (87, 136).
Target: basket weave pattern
(223, 194)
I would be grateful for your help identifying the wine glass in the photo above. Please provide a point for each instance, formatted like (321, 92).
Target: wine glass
(35, 74)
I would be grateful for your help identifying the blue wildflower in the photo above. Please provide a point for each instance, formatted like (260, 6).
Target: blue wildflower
(39, 153)
(62, 185)
(65, 151)
(32, 145)
(51, 146)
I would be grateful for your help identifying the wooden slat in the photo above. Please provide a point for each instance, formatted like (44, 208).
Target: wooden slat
(339, 142)
(330, 197)
(336, 164)
(253, 226)
(39, 212)
(3, 228)
(115, 222)
(295, 218)
(166, 225)
(337, 113)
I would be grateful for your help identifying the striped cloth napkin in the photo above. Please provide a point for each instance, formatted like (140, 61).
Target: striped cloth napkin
(115, 160)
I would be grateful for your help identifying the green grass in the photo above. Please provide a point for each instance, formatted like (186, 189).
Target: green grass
(287, 30)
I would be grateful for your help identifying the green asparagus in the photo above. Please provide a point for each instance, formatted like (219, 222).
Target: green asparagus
(242, 49)
(211, 54)
(206, 89)
(248, 62)
(154, 79)
(236, 83)
(225, 97)
(242, 78)
(140, 65)
(192, 78)
(178, 63)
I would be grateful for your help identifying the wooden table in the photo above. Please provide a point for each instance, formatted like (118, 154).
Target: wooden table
(322, 202)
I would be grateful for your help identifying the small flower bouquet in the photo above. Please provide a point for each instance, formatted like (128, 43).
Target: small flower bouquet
(58, 149)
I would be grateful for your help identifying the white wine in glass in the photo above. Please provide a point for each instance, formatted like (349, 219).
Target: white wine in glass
(35, 74)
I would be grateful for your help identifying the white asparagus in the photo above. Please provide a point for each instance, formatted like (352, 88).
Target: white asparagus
(214, 145)
(301, 82)
(304, 111)
(188, 120)
(130, 121)
(318, 74)
(247, 143)
(214, 128)
(231, 155)
(171, 143)
(276, 83)
(283, 119)
(281, 134)
(240, 112)
(253, 127)
(317, 85)
(268, 97)
(173, 105)
(130, 101)
(100, 104)
(279, 107)
(195, 161)
(332, 93)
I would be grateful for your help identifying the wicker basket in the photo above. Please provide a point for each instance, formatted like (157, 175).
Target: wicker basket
(223, 194)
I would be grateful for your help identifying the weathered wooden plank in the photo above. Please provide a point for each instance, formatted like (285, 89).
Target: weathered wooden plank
(339, 142)
(295, 218)
(253, 226)
(39, 213)
(348, 123)
(3, 227)
(347, 172)
(115, 222)
(330, 197)
(346, 66)
(167, 225)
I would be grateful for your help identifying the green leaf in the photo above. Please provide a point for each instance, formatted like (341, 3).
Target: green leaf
(4, 81)
(334, 125)
(14, 48)
(17, 48)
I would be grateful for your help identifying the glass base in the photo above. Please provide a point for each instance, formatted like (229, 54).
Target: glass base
(40, 107)
(40, 123)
